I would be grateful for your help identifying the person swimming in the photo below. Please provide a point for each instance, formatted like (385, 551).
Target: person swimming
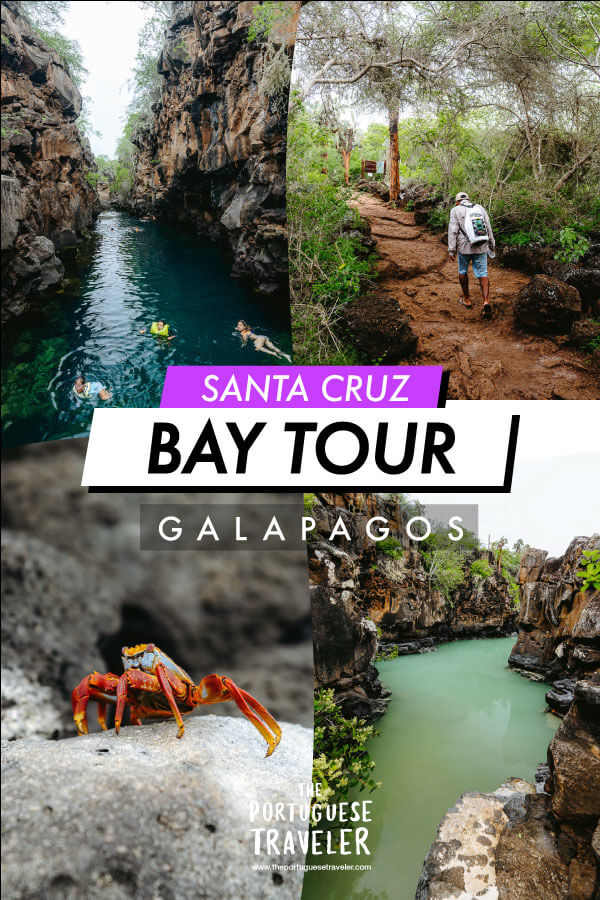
(261, 341)
(88, 390)
(160, 329)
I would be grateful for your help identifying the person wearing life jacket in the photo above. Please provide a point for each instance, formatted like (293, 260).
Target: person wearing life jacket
(470, 235)
(88, 390)
(160, 329)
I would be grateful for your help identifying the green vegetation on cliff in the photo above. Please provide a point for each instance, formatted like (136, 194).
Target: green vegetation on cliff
(47, 19)
(341, 761)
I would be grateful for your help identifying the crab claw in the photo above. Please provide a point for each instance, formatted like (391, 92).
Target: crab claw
(255, 711)
(79, 700)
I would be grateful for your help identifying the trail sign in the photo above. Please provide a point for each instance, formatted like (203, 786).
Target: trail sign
(371, 167)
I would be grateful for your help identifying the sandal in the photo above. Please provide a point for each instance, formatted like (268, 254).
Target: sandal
(487, 311)
(466, 305)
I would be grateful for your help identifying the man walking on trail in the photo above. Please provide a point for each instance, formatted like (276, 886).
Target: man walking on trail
(470, 234)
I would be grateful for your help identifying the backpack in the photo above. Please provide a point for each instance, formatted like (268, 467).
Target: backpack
(475, 228)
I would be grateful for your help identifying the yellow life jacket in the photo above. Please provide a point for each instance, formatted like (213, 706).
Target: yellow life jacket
(163, 332)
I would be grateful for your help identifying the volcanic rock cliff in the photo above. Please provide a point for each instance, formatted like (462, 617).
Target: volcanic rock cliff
(357, 590)
(214, 156)
(47, 202)
(559, 637)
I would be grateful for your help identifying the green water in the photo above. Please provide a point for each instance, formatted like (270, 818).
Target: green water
(459, 720)
(125, 280)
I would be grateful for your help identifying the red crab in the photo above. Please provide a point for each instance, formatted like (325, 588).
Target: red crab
(156, 687)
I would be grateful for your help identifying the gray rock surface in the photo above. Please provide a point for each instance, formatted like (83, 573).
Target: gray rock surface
(52, 611)
(144, 815)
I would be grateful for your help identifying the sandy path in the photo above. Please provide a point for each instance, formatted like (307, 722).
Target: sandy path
(487, 360)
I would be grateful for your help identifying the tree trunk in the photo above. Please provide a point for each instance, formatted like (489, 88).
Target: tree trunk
(394, 155)
(564, 178)
(346, 161)
(529, 135)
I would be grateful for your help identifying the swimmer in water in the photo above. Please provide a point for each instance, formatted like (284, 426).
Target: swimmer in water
(261, 341)
(86, 390)
(160, 329)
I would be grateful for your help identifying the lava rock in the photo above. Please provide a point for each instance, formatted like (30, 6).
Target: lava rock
(144, 815)
(584, 278)
(573, 757)
(531, 259)
(559, 699)
(379, 330)
(559, 624)
(377, 188)
(584, 332)
(547, 306)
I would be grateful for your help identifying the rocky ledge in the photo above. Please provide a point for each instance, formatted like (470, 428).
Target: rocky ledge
(559, 624)
(47, 201)
(214, 156)
(146, 815)
(521, 844)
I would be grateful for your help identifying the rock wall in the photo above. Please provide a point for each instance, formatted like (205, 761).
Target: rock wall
(520, 842)
(356, 590)
(214, 157)
(47, 202)
(559, 636)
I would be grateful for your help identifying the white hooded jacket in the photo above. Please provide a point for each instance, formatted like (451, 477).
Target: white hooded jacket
(457, 237)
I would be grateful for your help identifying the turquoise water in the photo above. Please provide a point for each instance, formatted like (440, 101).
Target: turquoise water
(125, 280)
(459, 720)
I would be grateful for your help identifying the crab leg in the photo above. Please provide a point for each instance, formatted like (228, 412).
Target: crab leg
(93, 687)
(246, 702)
(135, 715)
(121, 698)
(165, 685)
(102, 714)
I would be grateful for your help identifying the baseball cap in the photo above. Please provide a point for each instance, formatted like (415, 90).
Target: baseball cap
(462, 196)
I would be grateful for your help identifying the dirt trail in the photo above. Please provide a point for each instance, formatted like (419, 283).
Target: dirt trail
(487, 360)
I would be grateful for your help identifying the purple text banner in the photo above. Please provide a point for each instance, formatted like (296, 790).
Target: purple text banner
(302, 387)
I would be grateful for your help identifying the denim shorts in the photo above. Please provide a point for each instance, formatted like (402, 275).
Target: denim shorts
(479, 264)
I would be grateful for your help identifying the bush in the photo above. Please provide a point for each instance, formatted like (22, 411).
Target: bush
(445, 570)
(573, 246)
(341, 761)
(480, 570)
(438, 218)
(310, 501)
(590, 574)
(390, 547)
